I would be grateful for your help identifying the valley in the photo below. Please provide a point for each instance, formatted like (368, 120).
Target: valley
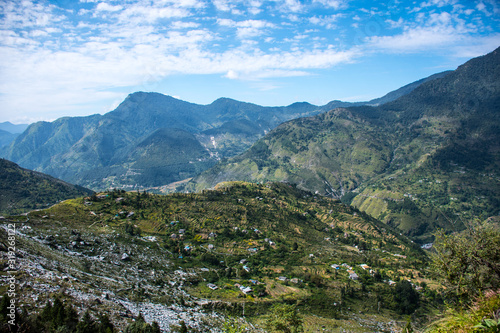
(424, 161)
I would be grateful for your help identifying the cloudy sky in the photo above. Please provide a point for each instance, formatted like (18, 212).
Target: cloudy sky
(74, 58)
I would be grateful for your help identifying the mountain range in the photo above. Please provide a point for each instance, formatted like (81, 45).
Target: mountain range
(425, 156)
(151, 139)
(313, 224)
(428, 159)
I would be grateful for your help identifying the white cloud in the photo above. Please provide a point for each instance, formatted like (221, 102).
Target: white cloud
(25, 14)
(415, 39)
(63, 60)
(139, 14)
(438, 3)
(293, 6)
(395, 24)
(104, 7)
(184, 25)
(222, 5)
(475, 47)
(260, 64)
(326, 21)
(446, 40)
(247, 28)
(438, 31)
(231, 75)
(335, 4)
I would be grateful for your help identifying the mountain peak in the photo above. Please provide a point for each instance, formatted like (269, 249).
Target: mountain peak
(150, 94)
(226, 101)
(299, 105)
(13, 128)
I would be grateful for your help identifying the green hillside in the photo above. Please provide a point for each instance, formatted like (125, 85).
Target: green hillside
(22, 190)
(187, 256)
(426, 160)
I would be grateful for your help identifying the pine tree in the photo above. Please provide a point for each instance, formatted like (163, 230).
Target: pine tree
(183, 328)
(86, 324)
(4, 303)
(105, 325)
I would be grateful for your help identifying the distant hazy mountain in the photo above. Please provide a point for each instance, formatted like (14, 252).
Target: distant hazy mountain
(23, 190)
(9, 131)
(12, 128)
(150, 139)
(430, 158)
(121, 147)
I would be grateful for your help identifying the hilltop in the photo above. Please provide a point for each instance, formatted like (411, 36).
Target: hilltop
(9, 131)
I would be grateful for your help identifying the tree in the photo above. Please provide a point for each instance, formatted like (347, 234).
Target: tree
(86, 324)
(408, 328)
(284, 318)
(140, 326)
(406, 298)
(105, 325)
(183, 328)
(155, 327)
(469, 262)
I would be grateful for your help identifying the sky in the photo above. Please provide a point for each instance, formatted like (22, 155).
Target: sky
(81, 57)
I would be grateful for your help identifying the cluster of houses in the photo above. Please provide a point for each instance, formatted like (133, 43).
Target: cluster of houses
(350, 270)
(293, 280)
(244, 289)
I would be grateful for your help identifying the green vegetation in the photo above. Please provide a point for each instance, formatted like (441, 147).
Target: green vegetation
(244, 248)
(415, 163)
(24, 190)
(54, 317)
(284, 318)
(468, 264)
(281, 257)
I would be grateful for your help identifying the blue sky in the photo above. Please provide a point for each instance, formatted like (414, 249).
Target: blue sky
(75, 58)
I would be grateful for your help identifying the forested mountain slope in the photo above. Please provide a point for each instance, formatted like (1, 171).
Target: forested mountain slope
(22, 190)
(426, 160)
